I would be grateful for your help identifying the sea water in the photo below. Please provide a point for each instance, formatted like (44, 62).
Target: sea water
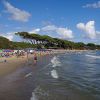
(68, 76)
(71, 76)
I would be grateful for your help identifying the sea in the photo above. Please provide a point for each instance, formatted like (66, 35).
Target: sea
(66, 76)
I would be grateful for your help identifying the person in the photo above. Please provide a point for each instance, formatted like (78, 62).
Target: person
(5, 60)
(35, 58)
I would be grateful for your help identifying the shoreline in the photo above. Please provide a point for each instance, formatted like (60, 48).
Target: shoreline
(12, 63)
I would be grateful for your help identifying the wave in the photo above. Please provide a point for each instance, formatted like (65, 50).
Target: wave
(34, 97)
(29, 74)
(54, 74)
(92, 56)
(55, 62)
(39, 93)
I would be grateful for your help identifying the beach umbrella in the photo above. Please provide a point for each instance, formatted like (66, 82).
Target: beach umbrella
(7, 50)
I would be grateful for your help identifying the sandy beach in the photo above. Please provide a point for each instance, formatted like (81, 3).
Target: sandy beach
(11, 64)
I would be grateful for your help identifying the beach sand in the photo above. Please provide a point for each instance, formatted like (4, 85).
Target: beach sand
(11, 64)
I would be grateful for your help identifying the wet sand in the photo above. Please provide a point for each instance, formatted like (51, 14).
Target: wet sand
(20, 84)
(11, 64)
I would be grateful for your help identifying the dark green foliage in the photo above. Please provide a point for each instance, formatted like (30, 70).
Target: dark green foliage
(22, 45)
(79, 45)
(50, 42)
(91, 46)
(43, 41)
(39, 46)
(4, 43)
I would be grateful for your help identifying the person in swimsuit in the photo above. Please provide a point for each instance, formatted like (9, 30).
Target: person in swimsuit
(35, 58)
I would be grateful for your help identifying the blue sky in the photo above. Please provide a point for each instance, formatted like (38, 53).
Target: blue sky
(75, 20)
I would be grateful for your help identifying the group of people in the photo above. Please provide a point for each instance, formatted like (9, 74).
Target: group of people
(19, 54)
(6, 54)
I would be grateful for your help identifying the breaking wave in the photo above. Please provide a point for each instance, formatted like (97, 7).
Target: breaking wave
(54, 74)
(92, 56)
(55, 62)
(34, 97)
(29, 74)
(39, 93)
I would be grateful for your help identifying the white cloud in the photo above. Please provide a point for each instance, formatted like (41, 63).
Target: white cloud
(59, 32)
(54, 31)
(64, 33)
(9, 36)
(49, 28)
(93, 5)
(17, 14)
(35, 30)
(89, 28)
(81, 26)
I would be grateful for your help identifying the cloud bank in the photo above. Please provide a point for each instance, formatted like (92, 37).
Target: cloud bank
(34, 30)
(9, 35)
(89, 29)
(93, 5)
(15, 13)
(64, 33)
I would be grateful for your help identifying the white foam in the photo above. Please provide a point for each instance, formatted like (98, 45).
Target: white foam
(54, 74)
(55, 62)
(92, 56)
(34, 97)
(38, 93)
(29, 74)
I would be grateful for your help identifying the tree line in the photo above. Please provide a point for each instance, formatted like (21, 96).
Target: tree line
(43, 41)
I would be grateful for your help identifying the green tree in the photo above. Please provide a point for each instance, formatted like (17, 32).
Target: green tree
(91, 46)
(5, 43)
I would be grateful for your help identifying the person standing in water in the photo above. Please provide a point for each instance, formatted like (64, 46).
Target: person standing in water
(35, 58)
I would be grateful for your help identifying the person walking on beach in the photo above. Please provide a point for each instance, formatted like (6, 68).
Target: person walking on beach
(35, 58)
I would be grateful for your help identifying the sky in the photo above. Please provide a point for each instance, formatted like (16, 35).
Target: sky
(74, 20)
